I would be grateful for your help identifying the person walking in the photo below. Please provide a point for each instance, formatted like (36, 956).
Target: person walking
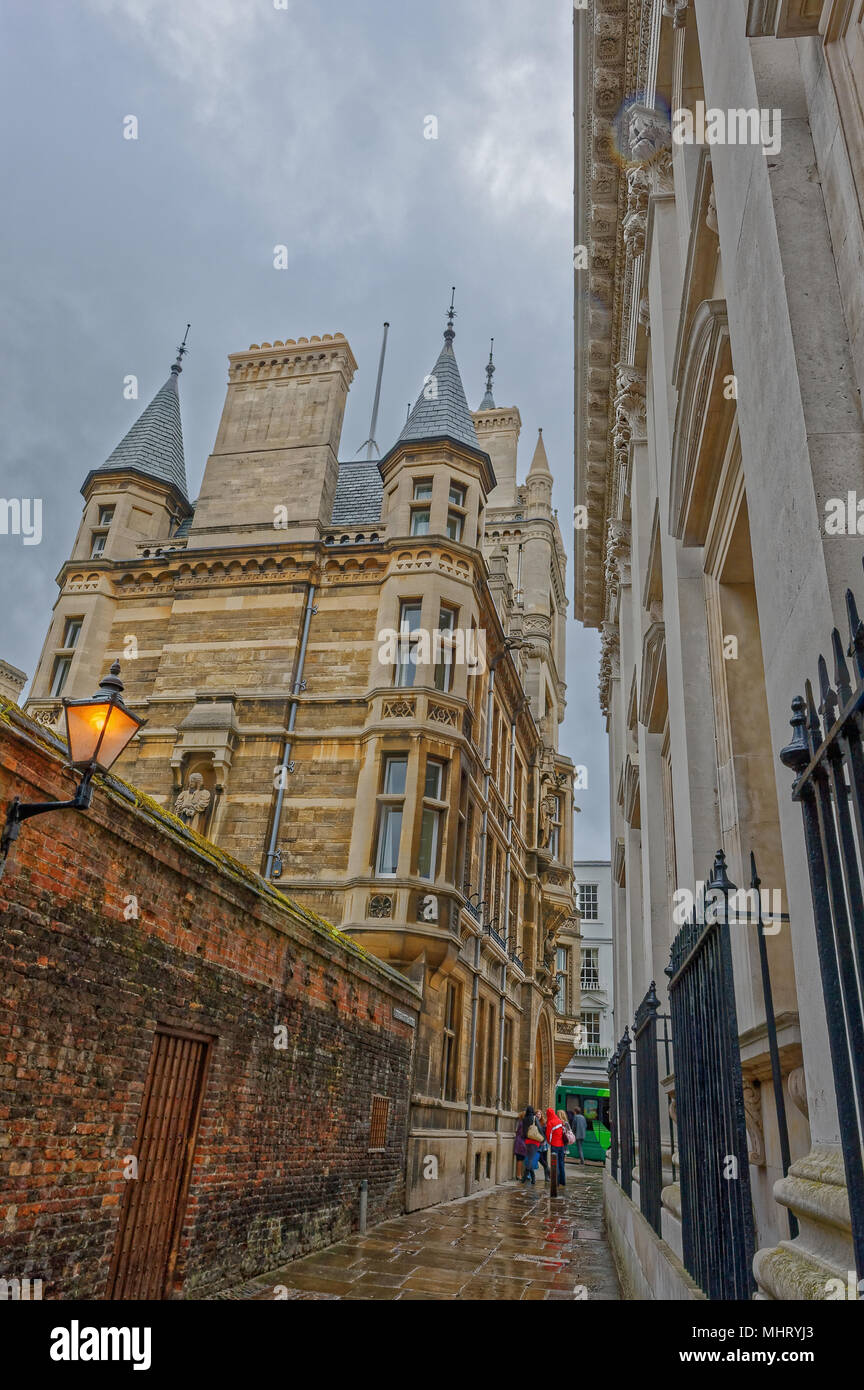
(543, 1155)
(579, 1126)
(555, 1136)
(533, 1138)
(520, 1148)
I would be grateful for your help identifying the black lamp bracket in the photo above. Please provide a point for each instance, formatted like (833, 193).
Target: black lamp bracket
(22, 810)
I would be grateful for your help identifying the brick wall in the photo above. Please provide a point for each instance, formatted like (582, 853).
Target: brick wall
(283, 1136)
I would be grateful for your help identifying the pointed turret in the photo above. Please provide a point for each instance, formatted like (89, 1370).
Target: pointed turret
(437, 476)
(441, 410)
(540, 463)
(153, 447)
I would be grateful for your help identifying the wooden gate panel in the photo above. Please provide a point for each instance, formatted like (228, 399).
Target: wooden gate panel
(154, 1202)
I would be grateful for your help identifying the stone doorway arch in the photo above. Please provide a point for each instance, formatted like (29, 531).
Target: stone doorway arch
(542, 1080)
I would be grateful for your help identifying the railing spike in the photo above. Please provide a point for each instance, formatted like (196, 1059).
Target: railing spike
(841, 671)
(828, 707)
(856, 633)
(755, 880)
(813, 729)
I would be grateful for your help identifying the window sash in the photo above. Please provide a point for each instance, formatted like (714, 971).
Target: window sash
(420, 521)
(389, 836)
(457, 495)
(454, 526)
(590, 968)
(423, 490)
(590, 1028)
(427, 859)
(434, 782)
(395, 776)
(588, 901)
(72, 631)
(97, 546)
(59, 674)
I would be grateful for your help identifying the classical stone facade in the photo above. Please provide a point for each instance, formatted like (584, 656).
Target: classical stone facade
(720, 363)
(352, 675)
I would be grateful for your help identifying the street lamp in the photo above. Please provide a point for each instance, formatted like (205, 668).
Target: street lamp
(97, 731)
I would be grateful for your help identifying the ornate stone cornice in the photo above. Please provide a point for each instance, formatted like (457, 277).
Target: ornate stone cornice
(626, 159)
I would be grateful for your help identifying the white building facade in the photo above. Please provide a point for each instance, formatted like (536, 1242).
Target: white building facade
(719, 371)
(595, 1040)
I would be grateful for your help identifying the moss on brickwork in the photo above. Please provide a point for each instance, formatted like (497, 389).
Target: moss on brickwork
(13, 717)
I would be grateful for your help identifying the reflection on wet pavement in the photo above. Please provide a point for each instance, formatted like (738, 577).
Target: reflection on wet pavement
(512, 1242)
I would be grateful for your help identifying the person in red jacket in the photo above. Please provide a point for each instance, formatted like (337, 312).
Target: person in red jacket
(555, 1137)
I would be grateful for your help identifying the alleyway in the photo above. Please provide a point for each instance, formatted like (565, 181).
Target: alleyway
(509, 1243)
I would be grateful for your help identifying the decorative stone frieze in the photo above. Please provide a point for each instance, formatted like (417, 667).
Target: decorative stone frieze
(443, 714)
(398, 709)
(47, 715)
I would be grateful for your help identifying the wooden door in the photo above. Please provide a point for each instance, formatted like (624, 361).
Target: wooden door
(154, 1202)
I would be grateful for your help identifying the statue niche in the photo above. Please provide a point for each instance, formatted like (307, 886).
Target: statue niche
(193, 804)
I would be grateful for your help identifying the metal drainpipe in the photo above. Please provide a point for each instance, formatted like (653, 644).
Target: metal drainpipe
(292, 716)
(484, 832)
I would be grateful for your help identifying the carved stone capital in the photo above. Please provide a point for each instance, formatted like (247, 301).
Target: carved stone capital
(609, 662)
(649, 135)
(630, 389)
(676, 10)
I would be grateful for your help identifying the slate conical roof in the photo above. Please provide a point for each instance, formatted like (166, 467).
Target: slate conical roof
(154, 444)
(441, 410)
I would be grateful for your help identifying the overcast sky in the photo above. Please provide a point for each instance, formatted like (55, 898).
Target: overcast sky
(301, 125)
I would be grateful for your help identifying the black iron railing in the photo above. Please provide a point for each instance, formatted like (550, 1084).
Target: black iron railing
(828, 762)
(621, 1116)
(716, 1210)
(771, 1027)
(648, 1108)
(614, 1150)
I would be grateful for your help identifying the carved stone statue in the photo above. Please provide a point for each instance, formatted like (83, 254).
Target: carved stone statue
(753, 1120)
(193, 802)
(546, 816)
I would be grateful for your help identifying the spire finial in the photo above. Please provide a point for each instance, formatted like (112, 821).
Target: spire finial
(488, 402)
(177, 366)
(449, 331)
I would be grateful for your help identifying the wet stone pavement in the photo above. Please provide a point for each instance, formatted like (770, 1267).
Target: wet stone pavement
(512, 1242)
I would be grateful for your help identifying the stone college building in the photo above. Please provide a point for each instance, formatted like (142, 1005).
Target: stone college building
(352, 677)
